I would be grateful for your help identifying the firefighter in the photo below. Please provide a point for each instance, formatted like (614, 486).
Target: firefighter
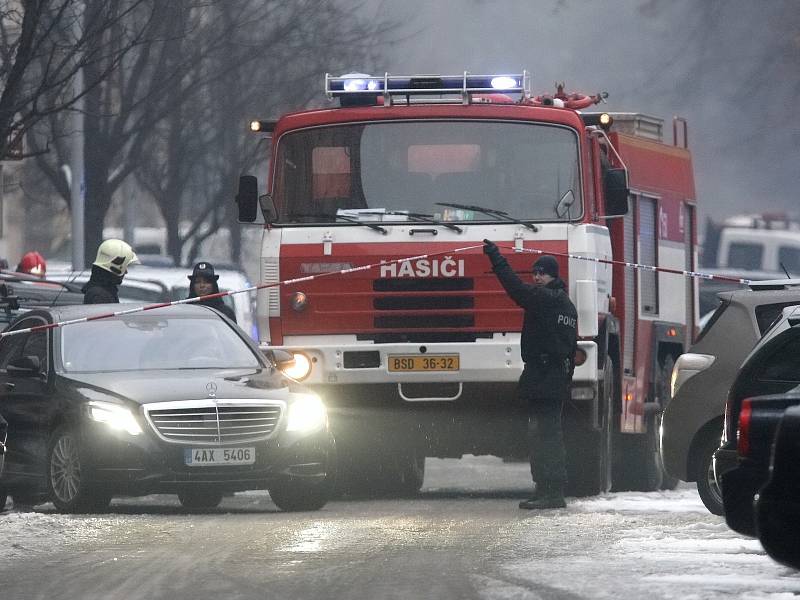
(32, 263)
(549, 341)
(108, 269)
(204, 282)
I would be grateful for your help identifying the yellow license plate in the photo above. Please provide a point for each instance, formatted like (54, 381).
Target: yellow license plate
(423, 362)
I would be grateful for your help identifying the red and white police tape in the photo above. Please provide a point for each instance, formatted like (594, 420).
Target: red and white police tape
(252, 288)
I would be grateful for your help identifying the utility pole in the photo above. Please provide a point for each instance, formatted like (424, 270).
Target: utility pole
(77, 187)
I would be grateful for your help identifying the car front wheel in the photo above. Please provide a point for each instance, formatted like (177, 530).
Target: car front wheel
(293, 495)
(66, 476)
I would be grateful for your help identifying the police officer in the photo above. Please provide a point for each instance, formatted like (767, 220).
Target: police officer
(203, 283)
(549, 341)
(108, 269)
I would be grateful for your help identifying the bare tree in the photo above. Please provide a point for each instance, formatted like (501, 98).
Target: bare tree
(273, 59)
(41, 49)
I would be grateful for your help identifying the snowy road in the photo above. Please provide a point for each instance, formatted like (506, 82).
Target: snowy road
(463, 538)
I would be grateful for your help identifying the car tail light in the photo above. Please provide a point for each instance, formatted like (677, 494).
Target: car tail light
(743, 433)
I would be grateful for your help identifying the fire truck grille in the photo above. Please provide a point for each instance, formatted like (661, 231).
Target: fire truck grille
(440, 284)
(424, 321)
(206, 423)
(423, 302)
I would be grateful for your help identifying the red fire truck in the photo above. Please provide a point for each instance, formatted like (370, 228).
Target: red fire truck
(421, 357)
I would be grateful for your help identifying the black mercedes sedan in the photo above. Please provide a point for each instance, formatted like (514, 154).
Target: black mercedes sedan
(171, 400)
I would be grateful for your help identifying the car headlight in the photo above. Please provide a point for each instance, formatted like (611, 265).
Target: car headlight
(306, 413)
(113, 415)
(298, 369)
(687, 366)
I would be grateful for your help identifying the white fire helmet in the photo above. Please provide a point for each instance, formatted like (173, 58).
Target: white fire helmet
(114, 256)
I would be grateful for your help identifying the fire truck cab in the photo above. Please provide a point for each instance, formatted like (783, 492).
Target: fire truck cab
(421, 357)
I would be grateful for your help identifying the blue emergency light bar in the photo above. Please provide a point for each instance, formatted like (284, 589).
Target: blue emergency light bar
(357, 84)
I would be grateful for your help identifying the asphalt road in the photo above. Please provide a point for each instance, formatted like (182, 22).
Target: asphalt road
(464, 537)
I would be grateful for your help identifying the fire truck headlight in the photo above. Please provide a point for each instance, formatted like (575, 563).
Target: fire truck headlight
(298, 301)
(606, 120)
(504, 83)
(306, 413)
(299, 368)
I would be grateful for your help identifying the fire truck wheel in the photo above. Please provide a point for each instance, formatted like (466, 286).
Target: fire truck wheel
(589, 453)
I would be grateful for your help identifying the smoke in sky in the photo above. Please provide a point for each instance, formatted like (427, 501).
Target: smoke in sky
(730, 67)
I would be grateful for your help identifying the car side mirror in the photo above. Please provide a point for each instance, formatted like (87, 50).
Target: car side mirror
(24, 366)
(615, 188)
(247, 198)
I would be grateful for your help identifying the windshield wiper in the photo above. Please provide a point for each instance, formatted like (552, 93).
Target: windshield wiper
(344, 218)
(491, 212)
(421, 217)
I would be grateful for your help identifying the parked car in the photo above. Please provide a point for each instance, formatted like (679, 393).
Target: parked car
(176, 281)
(691, 425)
(773, 367)
(777, 506)
(130, 290)
(759, 418)
(170, 400)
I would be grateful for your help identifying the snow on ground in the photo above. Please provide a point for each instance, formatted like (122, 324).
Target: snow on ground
(660, 544)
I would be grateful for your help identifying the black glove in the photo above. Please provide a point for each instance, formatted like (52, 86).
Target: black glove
(490, 249)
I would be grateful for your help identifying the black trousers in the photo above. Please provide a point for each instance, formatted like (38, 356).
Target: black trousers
(545, 388)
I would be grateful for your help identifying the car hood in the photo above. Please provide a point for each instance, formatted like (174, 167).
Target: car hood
(144, 387)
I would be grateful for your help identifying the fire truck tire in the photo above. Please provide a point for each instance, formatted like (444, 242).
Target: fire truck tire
(589, 453)
(637, 464)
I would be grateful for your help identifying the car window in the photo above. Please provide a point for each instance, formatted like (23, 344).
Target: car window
(745, 256)
(142, 342)
(789, 257)
(783, 363)
(15, 346)
(712, 319)
(767, 314)
(36, 345)
(11, 348)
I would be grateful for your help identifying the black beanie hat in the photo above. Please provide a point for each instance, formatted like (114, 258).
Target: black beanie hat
(204, 270)
(547, 264)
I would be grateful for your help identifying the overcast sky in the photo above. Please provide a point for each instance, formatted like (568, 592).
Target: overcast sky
(731, 67)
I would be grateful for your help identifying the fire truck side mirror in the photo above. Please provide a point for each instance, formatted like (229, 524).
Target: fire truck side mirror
(268, 208)
(247, 199)
(615, 187)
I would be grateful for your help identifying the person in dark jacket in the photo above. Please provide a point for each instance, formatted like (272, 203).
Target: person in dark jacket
(548, 344)
(108, 269)
(204, 282)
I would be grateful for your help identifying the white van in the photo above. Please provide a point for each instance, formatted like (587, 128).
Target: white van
(759, 250)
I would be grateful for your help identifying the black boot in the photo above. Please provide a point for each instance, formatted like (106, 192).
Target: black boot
(548, 495)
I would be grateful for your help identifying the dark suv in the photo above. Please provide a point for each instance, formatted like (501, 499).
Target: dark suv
(692, 421)
(773, 367)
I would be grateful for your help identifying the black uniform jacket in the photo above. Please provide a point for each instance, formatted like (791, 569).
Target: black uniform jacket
(550, 324)
(215, 303)
(101, 287)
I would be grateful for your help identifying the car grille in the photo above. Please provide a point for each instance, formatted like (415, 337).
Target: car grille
(214, 422)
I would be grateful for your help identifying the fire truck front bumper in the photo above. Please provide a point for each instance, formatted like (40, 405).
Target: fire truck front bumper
(346, 361)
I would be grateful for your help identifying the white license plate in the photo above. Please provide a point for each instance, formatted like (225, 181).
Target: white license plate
(202, 457)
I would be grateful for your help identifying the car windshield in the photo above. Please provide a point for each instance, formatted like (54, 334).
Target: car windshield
(148, 342)
(358, 171)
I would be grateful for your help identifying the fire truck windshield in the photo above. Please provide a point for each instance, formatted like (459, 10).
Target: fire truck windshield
(377, 171)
